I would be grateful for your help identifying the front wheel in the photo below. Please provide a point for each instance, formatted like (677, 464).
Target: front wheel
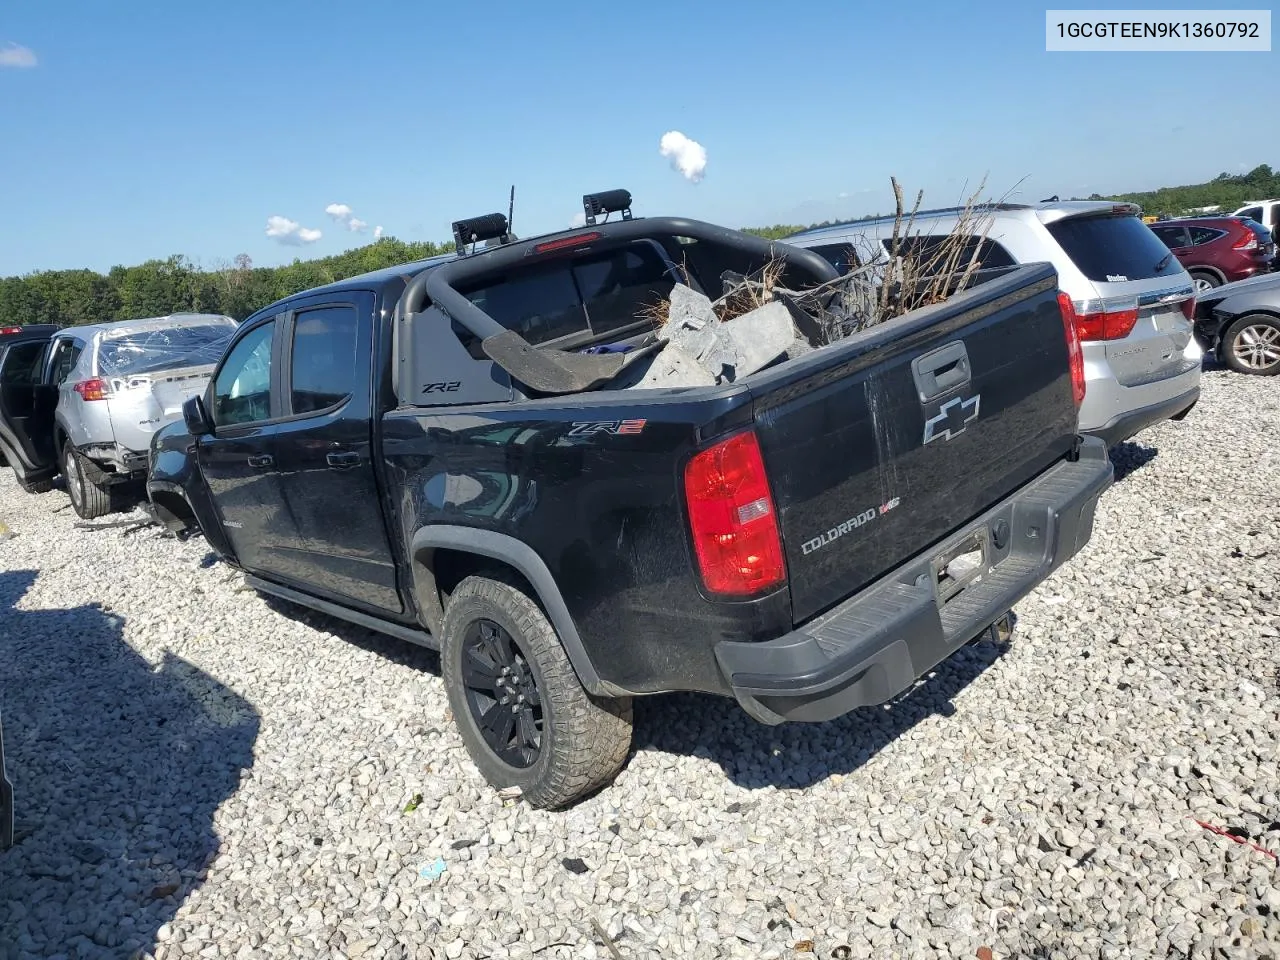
(1252, 345)
(88, 499)
(523, 714)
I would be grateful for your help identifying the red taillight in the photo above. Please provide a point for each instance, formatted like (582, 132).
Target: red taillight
(1189, 308)
(4, 330)
(94, 389)
(564, 243)
(1075, 356)
(1095, 322)
(731, 516)
(1248, 241)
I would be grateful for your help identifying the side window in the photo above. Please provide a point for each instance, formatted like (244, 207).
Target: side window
(842, 256)
(1171, 237)
(22, 364)
(618, 287)
(1201, 235)
(65, 356)
(935, 251)
(242, 391)
(323, 368)
(1251, 213)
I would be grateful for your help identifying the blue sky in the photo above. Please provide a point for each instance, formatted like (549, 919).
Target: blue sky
(146, 129)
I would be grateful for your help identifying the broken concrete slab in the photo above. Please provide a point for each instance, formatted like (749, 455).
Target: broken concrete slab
(672, 367)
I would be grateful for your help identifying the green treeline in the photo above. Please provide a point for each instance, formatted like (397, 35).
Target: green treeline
(158, 287)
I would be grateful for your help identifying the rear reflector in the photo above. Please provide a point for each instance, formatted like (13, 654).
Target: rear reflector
(94, 389)
(732, 518)
(564, 243)
(1189, 308)
(1075, 356)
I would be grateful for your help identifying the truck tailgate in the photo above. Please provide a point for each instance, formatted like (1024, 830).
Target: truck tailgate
(882, 445)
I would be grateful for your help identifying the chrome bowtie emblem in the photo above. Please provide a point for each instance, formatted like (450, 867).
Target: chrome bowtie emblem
(952, 418)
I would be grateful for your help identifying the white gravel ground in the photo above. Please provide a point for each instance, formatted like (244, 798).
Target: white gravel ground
(200, 772)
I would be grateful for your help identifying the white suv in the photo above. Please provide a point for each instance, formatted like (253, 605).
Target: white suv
(1133, 301)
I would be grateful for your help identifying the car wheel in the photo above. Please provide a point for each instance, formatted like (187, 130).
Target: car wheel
(1204, 281)
(36, 486)
(88, 499)
(523, 714)
(1252, 345)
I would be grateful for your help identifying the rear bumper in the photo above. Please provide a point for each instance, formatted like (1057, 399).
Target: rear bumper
(1121, 428)
(876, 644)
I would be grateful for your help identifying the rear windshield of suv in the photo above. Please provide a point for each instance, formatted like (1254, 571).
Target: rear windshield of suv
(1113, 249)
(148, 351)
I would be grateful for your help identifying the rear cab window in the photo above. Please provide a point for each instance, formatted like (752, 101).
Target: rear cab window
(566, 303)
(1114, 248)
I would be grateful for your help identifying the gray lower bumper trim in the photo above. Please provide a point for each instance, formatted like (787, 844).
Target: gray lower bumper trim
(876, 644)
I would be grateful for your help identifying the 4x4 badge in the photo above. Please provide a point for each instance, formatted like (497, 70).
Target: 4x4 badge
(952, 418)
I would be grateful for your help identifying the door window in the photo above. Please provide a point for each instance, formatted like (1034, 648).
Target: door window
(22, 365)
(323, 368)
(1171, 237)
(242, 390)
(66, 353)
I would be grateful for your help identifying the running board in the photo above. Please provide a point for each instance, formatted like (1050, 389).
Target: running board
(419, 636)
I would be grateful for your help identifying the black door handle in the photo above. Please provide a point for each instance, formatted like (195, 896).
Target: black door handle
(344, 460)
(262, 460)
(941, 370)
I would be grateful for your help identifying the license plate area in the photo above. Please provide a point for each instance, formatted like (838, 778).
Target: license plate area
(961, 565)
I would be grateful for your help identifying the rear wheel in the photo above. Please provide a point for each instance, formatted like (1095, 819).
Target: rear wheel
(1204, 281)
(1252, 345)
(524, 716)
(88, 499)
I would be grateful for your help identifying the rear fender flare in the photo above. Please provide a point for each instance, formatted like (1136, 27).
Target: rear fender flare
(520, 556)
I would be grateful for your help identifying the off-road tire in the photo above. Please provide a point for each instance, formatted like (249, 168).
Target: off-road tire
(584, 741)
(88, 499)
(36, 486)
(1258, 323)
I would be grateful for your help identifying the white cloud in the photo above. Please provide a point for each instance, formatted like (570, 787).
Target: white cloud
(356, 226)
(339, 211)
(16, 55)
(377, 232)
(687, 156)
(290, 232)
(579, 220)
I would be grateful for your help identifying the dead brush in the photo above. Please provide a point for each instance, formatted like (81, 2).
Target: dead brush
(752, 292)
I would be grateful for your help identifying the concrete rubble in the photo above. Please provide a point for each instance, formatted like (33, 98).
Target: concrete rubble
(703, 350)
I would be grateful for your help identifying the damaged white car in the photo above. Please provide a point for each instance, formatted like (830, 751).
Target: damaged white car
(103, 390)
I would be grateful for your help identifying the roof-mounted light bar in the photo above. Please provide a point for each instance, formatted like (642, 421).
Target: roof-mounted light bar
(605, 203)
(491, 226)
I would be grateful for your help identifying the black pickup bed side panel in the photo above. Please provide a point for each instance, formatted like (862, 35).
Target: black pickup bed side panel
(603, 509)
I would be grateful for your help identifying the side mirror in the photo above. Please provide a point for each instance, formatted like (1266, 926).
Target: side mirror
(196, 417)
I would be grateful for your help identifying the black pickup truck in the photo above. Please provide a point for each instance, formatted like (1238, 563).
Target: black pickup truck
(435, 452)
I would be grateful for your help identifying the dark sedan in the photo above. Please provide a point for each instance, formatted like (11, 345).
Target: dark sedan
(1241, 323)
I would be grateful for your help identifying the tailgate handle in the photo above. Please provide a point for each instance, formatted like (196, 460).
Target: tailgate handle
(941, 370)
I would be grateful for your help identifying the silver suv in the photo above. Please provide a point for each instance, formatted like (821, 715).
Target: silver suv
(1133, 302)
(117, 384)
